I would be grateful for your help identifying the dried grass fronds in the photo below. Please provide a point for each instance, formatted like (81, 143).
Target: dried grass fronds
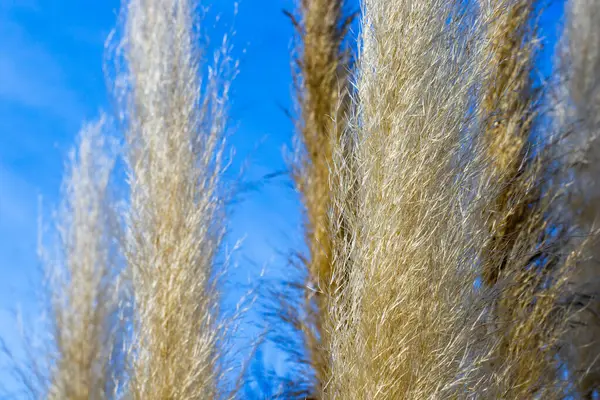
(528, 314)
(85, 292)
(321, 80)
(176, 117)
(578, 114)
(321, 83)
(73, 358)
(84, 285)
(515, 261)
(402, 326)
(509, 109)
(532, 263)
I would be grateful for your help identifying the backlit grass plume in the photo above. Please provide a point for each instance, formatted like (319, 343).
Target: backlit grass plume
(321, 71)
(508, 106)
(515, 260)
(176, 114)
(578, 112)
(84, 284)
(73, 359)
(402, 326)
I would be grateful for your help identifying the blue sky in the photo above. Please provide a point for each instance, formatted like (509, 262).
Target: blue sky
(51, 81)
(50, 67)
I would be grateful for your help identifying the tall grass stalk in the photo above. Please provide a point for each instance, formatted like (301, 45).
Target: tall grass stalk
(176, 115)
(402, 326)
(321, 84)
(522, 360)
(73, 359)
(579, 66)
